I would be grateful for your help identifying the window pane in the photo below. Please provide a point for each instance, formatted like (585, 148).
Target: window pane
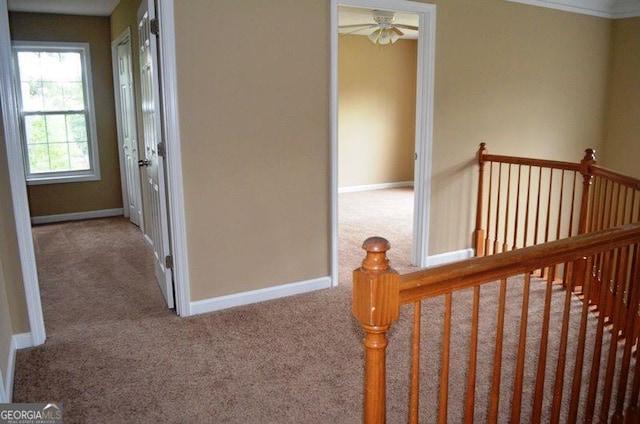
(32, 99)
(59, 156)
(35, 129)
(76, 127)
(79, 156)
(29, 64)
(56, 128)
(70, 67)
(39, 158)
(73, 95)
(53, 96)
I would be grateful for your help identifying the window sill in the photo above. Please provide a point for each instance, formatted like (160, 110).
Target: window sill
(61, 179)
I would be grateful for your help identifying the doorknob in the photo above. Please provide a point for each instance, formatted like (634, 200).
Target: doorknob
(144, 162)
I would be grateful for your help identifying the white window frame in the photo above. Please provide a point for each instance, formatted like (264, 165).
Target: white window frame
(91, 174)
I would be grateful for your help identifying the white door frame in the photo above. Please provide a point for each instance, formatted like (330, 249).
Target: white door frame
(8, 98)
(120, 122)
(424, 121)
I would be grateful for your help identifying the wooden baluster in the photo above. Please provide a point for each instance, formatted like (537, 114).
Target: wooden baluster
(558, 224)
(516, 403)
(496, 242)
(479, 233)
(630, 323)
(444, 371)
(587, 179)
(562, 349)
(606, 206)
(537, 224)
(525, 242)
(375, 305)
(542, 355)
(505, 245)
(613, 343)
(548, 220)
(573, 204)
(595, 362)
(487, 240)
(497, 356)
(473, 358)
(581, 269)
(517, 219)
(414, 402)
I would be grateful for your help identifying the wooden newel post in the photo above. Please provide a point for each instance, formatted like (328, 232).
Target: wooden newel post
(479, 233)
(375, 305)
(587, 178)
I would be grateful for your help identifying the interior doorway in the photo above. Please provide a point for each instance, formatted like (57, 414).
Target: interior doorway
(377, 70)
(381, 16)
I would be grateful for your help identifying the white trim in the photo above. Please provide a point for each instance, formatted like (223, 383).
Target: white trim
(9, 102)
(4, 398)
(18, 341)
(169, 88)
(611, 9)
(147, 241)
(424, 121)
(381, 186)
(448, 257)
(76, 216)
(260, 295)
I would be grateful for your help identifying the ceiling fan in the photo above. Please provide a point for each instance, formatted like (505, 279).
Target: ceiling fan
(385, 31)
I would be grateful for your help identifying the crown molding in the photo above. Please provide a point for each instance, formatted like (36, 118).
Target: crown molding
(611, 9)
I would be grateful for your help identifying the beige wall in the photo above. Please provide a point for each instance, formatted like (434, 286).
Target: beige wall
(527, 81)
(622, 141)
(254, 119)
(377, 107)
(255, 125)
(51, 199)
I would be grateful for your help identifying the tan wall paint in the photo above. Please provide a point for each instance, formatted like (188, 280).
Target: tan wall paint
(528, 81)
(254, 118)
(255, 126)
(6, 332)
(11, 274)
(50, 199)
(622, 148)
(377, 108)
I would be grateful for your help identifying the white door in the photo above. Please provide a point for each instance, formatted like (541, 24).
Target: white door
(158, 228)
(127, 130)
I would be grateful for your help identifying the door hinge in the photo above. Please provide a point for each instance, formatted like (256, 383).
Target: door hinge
(168, 261)
(162, 149)
(154, 26)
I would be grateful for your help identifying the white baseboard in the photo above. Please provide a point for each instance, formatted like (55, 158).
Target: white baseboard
(148, 242)
(76, 216)
(18, 341)
(382, 186)
(254, 296)
(448, 257)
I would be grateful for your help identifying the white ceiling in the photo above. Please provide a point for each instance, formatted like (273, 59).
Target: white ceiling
(356, 15)
(64, 7)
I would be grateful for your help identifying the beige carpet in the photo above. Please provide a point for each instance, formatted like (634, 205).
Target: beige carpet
(115, 354)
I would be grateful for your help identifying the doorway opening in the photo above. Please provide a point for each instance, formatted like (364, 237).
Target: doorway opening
(382, 107)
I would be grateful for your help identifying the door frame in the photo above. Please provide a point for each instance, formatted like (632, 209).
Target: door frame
(168, 88)
(424, 121)
(125, 36)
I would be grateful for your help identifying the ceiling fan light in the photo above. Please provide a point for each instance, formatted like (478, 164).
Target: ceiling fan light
(394, 36)
(385, 37)
(374, 36)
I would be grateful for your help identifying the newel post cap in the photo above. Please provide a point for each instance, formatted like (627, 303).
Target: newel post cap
(376, 259)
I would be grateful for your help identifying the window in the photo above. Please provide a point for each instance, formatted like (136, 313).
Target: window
(56, 110)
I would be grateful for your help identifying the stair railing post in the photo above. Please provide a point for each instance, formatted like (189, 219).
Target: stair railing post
(376, 294)
(587, 179)
(479, 232)
(587, 183)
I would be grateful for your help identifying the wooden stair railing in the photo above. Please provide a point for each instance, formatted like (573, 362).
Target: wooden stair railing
(523, 202)
(606, 389)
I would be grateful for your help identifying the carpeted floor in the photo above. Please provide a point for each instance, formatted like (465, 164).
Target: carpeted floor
(115, 354)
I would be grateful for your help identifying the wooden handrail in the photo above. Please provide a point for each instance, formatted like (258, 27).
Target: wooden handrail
(443, 279)
(600, 171)
(515, 160)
